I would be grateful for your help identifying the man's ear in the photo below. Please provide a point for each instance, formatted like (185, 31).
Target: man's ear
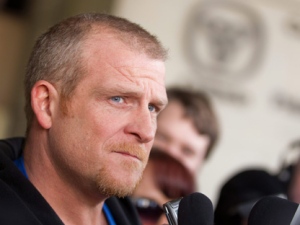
(44, 96)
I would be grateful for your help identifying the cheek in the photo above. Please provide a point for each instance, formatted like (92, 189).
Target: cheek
(100, 126)
(202, 146)
(106, 120)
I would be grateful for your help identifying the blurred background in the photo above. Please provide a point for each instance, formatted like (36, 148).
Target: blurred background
(244, 55)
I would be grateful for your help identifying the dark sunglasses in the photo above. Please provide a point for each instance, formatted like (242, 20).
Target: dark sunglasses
(148, 209)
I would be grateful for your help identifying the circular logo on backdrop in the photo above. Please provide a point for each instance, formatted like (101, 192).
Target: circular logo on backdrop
(223, 39)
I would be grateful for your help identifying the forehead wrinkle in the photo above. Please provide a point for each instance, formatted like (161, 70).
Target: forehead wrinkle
(130, 72)
(134, 74)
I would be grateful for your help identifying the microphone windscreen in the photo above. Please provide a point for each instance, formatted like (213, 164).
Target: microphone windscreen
(195, 209)
(272, 210)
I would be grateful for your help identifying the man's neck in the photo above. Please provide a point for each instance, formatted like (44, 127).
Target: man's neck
(71, 204)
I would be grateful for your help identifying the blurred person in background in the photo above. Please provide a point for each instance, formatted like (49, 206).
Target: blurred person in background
(187, 128)
(289, 174)
(240, 192)
(164, 179)
(293, 189)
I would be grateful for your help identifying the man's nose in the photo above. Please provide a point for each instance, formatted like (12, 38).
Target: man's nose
(142, 125)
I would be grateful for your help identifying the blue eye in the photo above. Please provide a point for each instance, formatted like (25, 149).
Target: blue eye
(117, 99)
(151, 108)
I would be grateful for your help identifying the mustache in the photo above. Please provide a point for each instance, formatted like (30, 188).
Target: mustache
(137, 151)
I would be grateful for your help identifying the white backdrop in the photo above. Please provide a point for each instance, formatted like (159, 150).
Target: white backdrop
(246, 56)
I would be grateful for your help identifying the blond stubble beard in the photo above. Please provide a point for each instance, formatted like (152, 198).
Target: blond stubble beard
(109, 186)
(106, 184)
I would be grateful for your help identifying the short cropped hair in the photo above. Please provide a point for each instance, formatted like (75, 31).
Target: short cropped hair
(198, 107)
(57, 54)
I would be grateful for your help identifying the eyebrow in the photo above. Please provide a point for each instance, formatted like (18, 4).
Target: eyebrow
(120, 90)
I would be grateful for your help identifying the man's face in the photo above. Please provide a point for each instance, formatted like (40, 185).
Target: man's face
(178, 136)
(104, 139)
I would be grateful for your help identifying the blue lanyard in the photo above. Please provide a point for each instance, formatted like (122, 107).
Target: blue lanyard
(108, 215)
(19, 162)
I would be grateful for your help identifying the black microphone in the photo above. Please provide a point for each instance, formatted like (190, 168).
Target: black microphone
(273, 210)
(195, 209)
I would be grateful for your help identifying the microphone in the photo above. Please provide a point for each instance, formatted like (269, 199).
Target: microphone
(273, 210)
(195, 209)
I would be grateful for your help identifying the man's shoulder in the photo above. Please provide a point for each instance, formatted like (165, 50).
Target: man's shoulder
(20, 203)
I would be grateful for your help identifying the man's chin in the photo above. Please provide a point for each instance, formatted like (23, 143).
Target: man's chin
(118, 190)
(120, 187)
